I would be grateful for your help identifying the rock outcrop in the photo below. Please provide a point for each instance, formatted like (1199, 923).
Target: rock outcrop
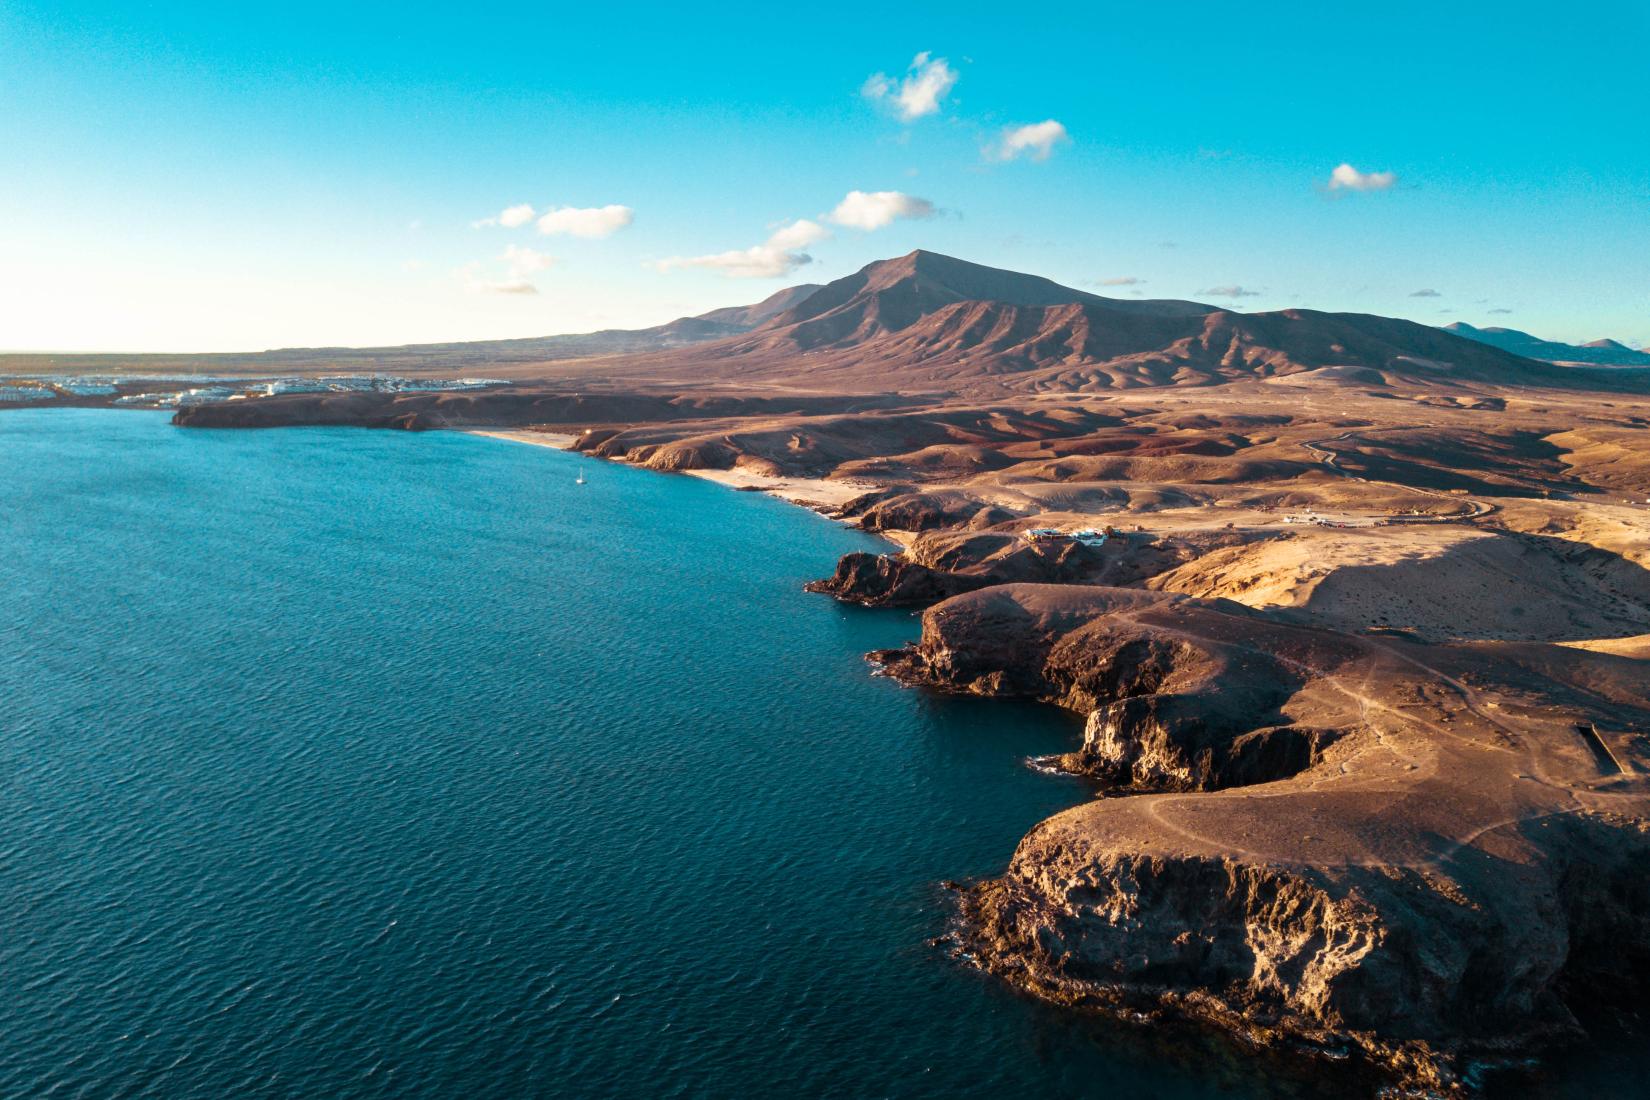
(891, 580)
(940, 563)
(1338, 840)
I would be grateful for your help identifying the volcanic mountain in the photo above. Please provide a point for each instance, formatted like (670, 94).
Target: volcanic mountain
(926, 323)
(892, 295)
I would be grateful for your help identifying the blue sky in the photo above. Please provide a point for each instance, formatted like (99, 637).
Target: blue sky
(204, 177)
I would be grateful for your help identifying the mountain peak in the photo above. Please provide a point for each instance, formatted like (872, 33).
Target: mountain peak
(1604, 352)
(953, 280)
(891, 295)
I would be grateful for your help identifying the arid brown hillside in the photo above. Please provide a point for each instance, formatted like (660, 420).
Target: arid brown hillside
(925, 323)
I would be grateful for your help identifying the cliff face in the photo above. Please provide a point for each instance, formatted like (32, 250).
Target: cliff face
(933, 568)
(940, 561)
(1420, 968)
(1425, 883)
(890, 580)
(1177, 694)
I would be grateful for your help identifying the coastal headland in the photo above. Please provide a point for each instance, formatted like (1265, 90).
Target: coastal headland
(1357, 612)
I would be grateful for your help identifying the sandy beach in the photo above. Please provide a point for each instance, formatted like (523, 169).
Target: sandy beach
(561, 441)
(809, 492)
(812, 492)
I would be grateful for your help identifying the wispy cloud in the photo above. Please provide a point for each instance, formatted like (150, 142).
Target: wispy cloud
(590, 222)
(1347, 178)
(870, 210)
(1500, 311)
(523, 262)
(511, 217)
(1036, 141)
(917, 94)
(1120, 280)
(1233, 291)
(783, 252)
(1425, 294)
(477, 283)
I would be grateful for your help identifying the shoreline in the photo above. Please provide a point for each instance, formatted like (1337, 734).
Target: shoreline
(817, 494)
(559, 441)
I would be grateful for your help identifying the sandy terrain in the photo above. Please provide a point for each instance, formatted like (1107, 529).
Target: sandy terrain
(561, 441)
(812, 492)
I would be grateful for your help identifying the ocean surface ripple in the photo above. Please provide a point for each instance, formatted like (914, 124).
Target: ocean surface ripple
(343, 763)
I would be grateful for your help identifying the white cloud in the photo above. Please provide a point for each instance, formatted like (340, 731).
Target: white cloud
(1347, 178)
(870, 210)
(799, 234)
(476, 283)
(925, 84)
(525, 261)
(1230, 292)
(782, 253)
(1428, 293)
(1036, 140)
(590, 222)
(1121, 280)
(510, 217)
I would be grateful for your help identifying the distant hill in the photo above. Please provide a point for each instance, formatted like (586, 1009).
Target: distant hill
(473, 356)
(748, 317)
(1607, 353)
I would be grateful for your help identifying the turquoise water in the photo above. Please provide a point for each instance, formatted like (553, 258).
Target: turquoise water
(369, 764)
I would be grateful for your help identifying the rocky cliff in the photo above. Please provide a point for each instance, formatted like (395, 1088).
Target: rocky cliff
(1425, 882)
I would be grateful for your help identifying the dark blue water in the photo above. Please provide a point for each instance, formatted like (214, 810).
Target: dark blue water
(345, 763)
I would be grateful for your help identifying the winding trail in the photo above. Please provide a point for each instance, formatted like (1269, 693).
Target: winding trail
(1476, 509)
